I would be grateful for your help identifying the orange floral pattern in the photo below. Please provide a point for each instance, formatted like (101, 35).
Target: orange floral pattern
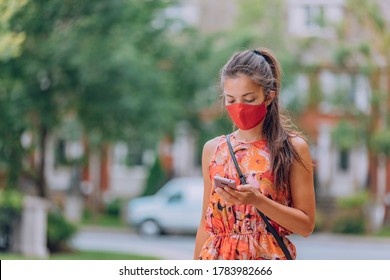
(237, 232)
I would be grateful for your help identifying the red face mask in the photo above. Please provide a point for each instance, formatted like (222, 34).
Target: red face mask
(246, 116)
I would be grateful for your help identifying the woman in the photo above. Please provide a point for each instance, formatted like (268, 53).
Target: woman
(274, 159)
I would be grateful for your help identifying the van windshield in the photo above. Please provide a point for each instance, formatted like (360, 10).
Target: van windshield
(192, 188)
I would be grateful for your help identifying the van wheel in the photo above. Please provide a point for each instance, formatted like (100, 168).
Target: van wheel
(149, 228)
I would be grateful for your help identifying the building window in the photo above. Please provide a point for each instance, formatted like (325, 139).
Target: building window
(307, 18)
(344, 160)
(314, 16)
(60, 153)
(337, 90)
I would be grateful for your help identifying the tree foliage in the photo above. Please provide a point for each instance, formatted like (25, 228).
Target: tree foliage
(10, 41)
(371, 60)
(115, 69)
(95, 62)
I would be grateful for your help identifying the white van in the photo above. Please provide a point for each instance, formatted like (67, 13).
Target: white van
(175, 208)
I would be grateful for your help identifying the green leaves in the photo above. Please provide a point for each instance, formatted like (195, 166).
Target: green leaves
(381, 142)
(345, 135)
(11, 200)
(114, 68)
(10, 41)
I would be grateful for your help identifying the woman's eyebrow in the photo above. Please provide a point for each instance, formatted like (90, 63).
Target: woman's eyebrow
(245, 94)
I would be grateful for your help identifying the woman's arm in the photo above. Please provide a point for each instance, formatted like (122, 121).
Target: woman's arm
(300, 218)
(302, 191)
(202, 235)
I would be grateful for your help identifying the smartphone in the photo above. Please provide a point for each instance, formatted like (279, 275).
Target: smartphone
(221, 182)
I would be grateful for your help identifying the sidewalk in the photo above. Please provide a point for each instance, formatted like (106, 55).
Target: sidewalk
(127, 241)
(318, 246)
(329, 246)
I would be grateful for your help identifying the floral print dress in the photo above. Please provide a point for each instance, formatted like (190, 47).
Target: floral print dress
(237, 232)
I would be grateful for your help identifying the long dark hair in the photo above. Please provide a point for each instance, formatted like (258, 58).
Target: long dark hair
(263, 69)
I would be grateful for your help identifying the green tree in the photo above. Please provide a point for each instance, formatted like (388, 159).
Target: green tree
(360, 48)
(372, 60)
(115, 68)
(96, 62)
(10, 42)
(10, 46)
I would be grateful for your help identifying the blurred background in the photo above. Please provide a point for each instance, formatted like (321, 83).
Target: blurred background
(104, 102)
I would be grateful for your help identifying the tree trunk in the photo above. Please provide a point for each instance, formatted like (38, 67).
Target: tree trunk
(315, 94)
(372, 183)
(41, 179)
(387, 193)
(104, 180)
(372, 180)
(86, 173)
(387, 189)
(104, 168)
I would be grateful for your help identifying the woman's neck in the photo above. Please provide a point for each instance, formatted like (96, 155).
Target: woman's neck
(250, 135)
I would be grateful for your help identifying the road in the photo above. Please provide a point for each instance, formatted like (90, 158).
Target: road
(319, 246)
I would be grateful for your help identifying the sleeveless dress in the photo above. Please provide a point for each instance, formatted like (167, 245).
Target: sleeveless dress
(237, 232)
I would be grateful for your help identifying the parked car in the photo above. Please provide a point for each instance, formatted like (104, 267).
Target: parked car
(175, 208)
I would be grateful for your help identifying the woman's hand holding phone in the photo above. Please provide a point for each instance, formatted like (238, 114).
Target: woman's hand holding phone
(246, 194)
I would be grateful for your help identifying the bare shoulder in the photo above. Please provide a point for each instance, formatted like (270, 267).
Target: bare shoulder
(210, 146)
(209, 149)
(301, 147)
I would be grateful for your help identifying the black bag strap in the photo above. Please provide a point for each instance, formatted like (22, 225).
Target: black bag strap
(269, 227)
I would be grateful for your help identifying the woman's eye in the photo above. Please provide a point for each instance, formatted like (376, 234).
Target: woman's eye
(230, 101)
(250, 100)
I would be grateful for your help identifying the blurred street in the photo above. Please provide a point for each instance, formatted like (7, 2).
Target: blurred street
(320, 246)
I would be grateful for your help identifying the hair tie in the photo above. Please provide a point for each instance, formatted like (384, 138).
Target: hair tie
(265, 57)
(257, 52)
(268, 60)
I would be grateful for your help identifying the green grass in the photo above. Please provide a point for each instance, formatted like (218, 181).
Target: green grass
(82, 255)
(103, 220)
(384, 232)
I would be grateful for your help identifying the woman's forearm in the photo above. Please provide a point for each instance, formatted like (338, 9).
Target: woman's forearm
(292, 219)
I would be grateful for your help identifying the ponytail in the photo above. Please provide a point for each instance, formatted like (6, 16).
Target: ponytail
(274, 65)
